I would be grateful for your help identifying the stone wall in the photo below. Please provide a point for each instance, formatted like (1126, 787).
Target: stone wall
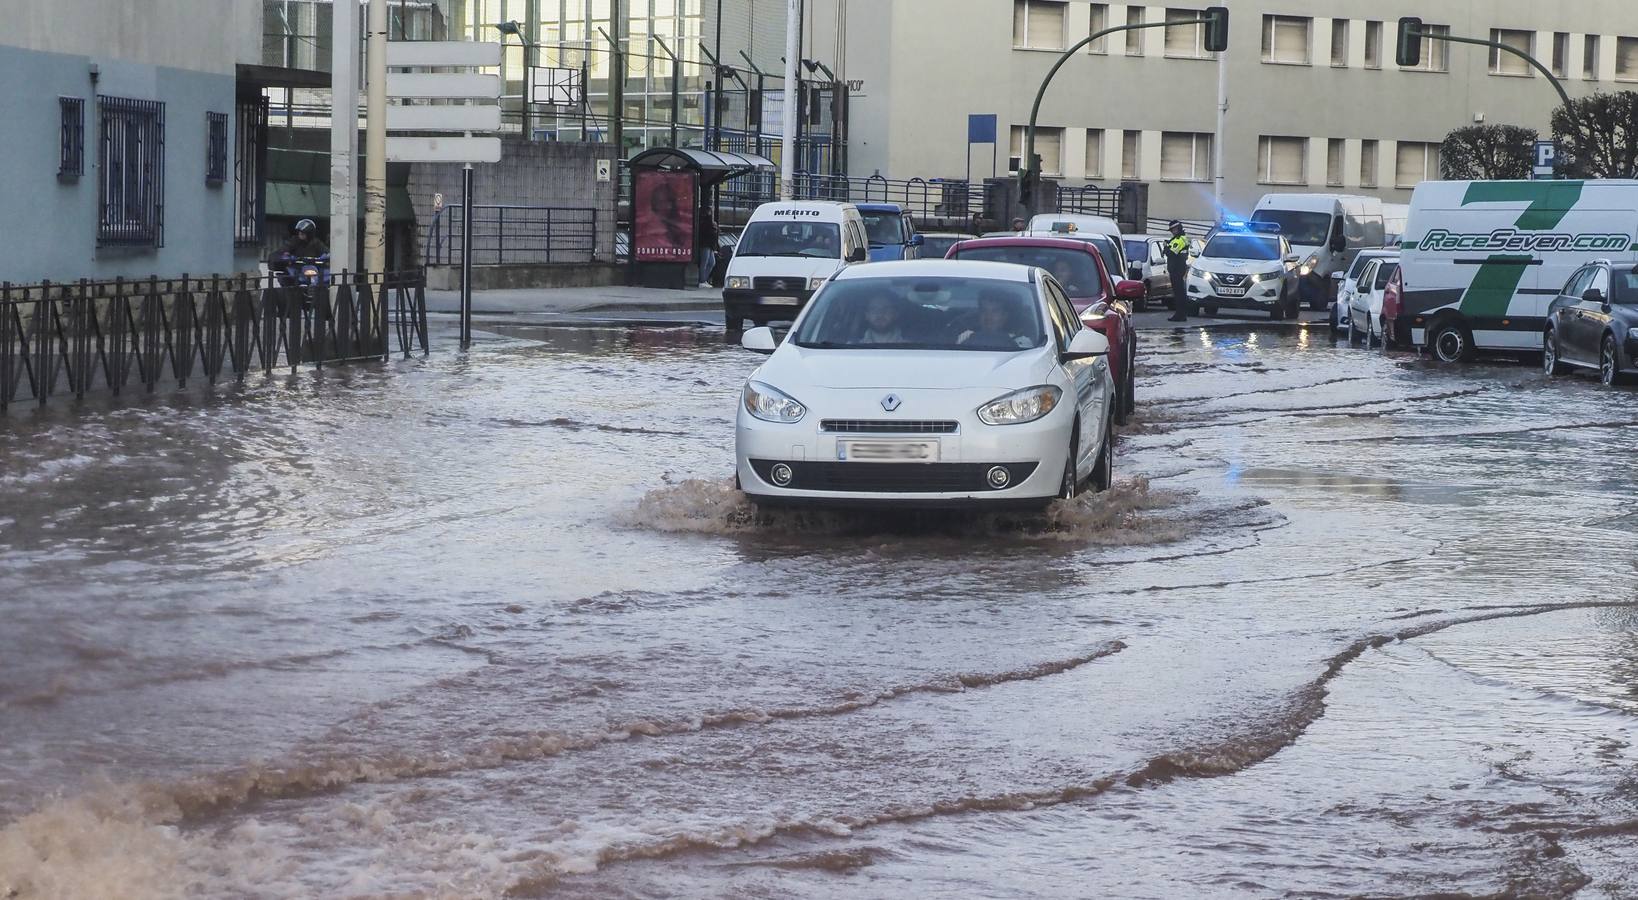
(530, 173)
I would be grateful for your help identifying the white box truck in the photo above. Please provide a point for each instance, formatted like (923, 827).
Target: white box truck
(1482, 260)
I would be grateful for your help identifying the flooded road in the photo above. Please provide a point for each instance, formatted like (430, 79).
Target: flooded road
(498, 625)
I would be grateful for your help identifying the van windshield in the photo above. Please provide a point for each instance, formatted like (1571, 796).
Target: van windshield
(1308, 229)
(923, 313)
(883, 228)
(816, 239)
(1242, 246)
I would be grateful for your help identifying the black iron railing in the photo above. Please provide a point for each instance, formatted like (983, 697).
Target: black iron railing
(1090, 200)
(512, 235)
(249, 170)
(71, 338)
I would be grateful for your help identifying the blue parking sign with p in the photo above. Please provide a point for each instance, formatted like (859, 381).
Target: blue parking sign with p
(1546, 160)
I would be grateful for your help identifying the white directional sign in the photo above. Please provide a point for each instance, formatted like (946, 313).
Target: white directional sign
(462, 86)
(448, 117)
(433, 54)
(443, 149)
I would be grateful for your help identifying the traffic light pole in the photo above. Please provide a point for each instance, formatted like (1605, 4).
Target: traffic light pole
(1416, 32)
(1029, 174)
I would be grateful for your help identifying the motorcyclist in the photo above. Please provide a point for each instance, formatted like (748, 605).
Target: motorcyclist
(303, 243)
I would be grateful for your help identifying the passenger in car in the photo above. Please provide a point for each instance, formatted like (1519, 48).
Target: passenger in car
(994, 324)
(882, 322)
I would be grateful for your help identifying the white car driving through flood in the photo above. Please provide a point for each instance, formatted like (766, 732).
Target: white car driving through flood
(929, 383)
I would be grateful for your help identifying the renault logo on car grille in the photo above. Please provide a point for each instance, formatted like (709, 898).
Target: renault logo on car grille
(891, 402)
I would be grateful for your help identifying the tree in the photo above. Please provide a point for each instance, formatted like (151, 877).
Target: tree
(1598, 136)
(1487, 153)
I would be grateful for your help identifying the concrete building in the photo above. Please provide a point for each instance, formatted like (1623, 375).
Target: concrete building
(1316, 102)
(131, 142)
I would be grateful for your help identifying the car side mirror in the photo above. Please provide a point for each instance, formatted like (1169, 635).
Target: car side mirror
(1339, 277)
(759, 340)
(1293, 259)
(917, 240)
(1087, 344)
(1130, 290)
(859, 254)
(1135, 270)
(1339, 243)
(1593, 295)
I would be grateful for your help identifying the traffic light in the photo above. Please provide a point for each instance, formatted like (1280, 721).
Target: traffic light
(1409, 52)
(1216, 29)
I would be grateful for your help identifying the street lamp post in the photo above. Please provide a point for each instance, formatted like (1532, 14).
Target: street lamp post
(531, 51)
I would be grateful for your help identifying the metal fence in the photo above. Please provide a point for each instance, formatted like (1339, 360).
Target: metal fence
(505, 235)
(1089, 200)
(71, 338)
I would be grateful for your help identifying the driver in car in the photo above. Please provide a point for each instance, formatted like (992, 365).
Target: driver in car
(994, 329)
(1065, 274)
(882, 322)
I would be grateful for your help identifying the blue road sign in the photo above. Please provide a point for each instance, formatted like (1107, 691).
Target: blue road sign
(981, 129)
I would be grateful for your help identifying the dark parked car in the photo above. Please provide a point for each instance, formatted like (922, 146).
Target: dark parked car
(1593, 323)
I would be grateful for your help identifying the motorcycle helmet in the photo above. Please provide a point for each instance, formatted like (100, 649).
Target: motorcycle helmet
(306, 227)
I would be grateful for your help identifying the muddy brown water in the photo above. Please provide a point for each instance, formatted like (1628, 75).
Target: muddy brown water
(498, 625)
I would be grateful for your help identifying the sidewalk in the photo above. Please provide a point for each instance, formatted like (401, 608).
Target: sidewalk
(586, 300)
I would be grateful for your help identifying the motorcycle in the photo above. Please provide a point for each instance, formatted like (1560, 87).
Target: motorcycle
(307, 274)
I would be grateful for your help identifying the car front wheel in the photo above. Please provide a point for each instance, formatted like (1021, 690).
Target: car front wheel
(1070, 486)
(1551, 363)
(1609, 363)
(1103, 471)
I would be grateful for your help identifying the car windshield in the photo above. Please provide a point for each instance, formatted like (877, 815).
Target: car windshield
(1110, 251)
(1306, 228)
(1137, 251)
(1074, 269)
(936, 247)
(1358, 267)
(883, 228)
(925, 313)
(1242, 246)
(1624, 287)
(1383, 273)
(821, 239)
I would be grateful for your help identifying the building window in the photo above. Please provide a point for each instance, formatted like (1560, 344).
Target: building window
(1134, 39)
(249, 164)
(1285, 40)
(1100, 21)
(1373, 45)
(1339, 43)
(1415, 162)
(1185, 156)
(1626, 59)
(1038, 24)
(216, 147)
(1282, 160)
(1504, 63)
(1435, 53)
(1131, 163)
(1560, 64)
(71, 153)
(1589, 58)
(1334, 150)
(131, 172)
(1185, 41)
(1367, 163)
(1049, 143)
(1094, 153)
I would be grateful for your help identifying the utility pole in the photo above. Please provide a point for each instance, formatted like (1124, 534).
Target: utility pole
(793, 62)
(1220, 139)
(375, 143)
(344, 59)
(617, 82)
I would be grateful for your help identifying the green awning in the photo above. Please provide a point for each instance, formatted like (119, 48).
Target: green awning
(306, 200)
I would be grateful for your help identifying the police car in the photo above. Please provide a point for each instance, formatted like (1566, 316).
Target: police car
(1246, 265)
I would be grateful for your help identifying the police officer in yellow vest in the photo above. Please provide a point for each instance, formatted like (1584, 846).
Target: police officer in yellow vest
(1177, 266)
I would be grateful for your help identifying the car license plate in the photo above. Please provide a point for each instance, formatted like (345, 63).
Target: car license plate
(887, 451)
(780, 301)
(1231, 292)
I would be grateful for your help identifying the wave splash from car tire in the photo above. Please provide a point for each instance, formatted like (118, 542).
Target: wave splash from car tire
(1130, 513)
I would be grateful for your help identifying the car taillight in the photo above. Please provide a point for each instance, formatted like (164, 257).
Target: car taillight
(1390, 296)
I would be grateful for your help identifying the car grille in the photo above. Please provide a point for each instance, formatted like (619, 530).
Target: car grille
(792, 285)
(1230, 279)
(893, 478)
(873, 426)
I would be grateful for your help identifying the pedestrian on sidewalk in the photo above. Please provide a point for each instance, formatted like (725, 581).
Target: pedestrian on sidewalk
(1177, 266)
(708, 248)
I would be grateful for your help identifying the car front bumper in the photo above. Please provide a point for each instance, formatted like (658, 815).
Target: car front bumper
(1263, 295)
(749, 302)
(1033, 453)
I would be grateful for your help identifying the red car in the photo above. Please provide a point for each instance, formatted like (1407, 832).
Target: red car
(1103, 302)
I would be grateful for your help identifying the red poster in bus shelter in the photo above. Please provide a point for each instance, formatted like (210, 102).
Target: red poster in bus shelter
(662, 206)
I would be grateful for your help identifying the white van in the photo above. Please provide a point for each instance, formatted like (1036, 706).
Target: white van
(1326, 232)
(789, 249)
(1483, 260)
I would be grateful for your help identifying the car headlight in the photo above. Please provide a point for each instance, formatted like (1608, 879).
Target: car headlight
(1022, 406)
(1311, 263)
(815, 284)
(1196, 273)
(739, 283)
(771, 404)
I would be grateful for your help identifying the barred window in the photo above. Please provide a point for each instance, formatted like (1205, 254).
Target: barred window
(71, 157)
(216, 144)
(249, 164)
(131, 173)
